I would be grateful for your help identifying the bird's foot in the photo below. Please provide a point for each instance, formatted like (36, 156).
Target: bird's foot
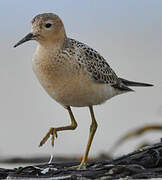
(53, 133)
(82, 165)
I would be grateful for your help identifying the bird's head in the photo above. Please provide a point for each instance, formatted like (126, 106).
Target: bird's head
(46, 28)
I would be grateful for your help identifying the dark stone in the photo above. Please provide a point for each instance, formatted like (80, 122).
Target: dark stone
(141, 164)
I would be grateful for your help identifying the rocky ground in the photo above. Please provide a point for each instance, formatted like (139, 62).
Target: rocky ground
(145, 163)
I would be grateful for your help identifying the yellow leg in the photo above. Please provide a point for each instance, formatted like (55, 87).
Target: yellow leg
(53, 131)
(93, 128)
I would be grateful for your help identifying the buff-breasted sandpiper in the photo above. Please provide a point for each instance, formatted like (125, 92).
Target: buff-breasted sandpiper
(72, 73)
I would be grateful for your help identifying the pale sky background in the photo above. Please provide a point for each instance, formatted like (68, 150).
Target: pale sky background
(127, 33)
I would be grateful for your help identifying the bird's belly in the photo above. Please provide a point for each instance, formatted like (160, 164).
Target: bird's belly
(77, 91)
(85, 95)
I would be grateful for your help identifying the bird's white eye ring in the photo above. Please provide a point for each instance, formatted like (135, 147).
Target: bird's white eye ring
(48, 25)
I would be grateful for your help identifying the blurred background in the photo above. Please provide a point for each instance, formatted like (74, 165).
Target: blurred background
(127, 33)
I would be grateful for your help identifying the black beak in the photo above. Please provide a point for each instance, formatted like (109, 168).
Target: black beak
(28, 37)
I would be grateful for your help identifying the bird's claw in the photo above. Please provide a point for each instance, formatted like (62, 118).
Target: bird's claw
(54, 135)
(53, 132)
(82, 165)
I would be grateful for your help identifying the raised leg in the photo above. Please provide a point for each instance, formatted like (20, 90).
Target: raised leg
(53, 131)
(93, 128)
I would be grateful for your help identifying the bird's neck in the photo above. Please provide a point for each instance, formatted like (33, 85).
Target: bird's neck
(50, 48)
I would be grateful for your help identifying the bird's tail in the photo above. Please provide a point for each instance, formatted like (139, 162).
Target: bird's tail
(132, 83)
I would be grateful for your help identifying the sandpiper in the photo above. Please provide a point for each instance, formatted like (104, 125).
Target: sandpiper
(72, 73)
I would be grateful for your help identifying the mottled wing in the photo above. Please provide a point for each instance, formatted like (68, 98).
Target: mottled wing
(95, 64)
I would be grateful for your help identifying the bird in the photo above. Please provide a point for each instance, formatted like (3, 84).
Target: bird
(72, 73)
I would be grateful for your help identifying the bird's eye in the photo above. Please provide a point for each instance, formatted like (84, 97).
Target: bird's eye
(48, 25)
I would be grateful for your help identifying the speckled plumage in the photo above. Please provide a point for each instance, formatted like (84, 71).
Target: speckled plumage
(95, 64)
